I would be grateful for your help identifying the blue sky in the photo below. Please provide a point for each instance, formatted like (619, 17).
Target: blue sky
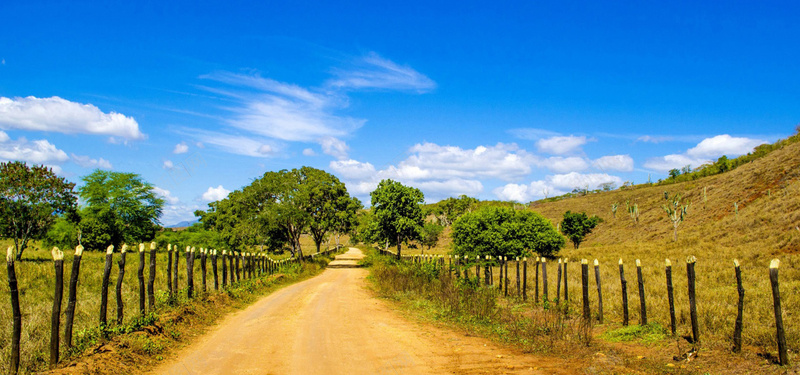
(509, 101)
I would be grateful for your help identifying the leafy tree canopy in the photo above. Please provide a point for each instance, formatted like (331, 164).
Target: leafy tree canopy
(450, 209)
(504, 231)
(30, 200)
(398, 212)
(576, 226)
(126, 206)
(430, 234)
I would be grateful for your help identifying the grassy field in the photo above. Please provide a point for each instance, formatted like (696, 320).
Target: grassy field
(35, 276)
(767, 191)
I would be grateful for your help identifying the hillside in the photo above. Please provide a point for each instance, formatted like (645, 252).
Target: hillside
(768, 203)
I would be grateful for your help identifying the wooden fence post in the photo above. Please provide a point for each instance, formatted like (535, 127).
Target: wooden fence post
(203, 267)
(120, 278)
(140, 275)
(536, 280)
(151, 292)
(17, 315)
(104, 291)
(642, 303)
(599, 291)
(558, 281)
(487, 272)
(737, 329)
(478, 270)
(776, 299)
(566, 287)
(690, 273)
(55, 317)
(671, 298)
(524, 278)
(624, 293)
(587, 315)
(189, 272)
(169, 272)
(175, 274)
(224, 268)
(544, 280)
(72, 297)
(214, 268)
(506, 279)
(516, 262)
(239, 266)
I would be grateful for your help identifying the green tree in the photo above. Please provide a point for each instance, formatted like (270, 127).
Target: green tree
(346, 216)
(31, 198)
(500, 231)
(398, 212)
(430, 234)
(326, 201)
(123, 201)
(450, 209)
(576, 226)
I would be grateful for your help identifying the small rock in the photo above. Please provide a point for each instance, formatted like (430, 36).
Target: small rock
(670, 365)
(600, 355)
(640, 357)
(499, 356)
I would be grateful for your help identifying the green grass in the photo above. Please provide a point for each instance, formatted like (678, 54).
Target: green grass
(647, 334)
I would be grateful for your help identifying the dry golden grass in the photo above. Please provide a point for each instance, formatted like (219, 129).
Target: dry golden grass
(36, 274)
(768, 193)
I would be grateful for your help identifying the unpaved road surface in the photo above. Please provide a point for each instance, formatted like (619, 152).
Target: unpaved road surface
(331, 324)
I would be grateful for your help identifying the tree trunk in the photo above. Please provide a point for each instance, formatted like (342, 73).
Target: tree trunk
(398, 247)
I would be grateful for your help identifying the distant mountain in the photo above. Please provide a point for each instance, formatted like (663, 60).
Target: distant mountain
(183, 224)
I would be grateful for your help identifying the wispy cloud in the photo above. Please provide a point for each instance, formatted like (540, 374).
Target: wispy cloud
(267, 108)
(372, 71)
(240, 145)
(55, 114)
(87, 162)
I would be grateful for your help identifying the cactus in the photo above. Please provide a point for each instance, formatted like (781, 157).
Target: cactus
(676, 213)
(736, 208)
(705, 197)
(633, 211)
(614, 209)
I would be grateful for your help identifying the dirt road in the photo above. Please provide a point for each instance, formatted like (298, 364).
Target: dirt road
(331, 324)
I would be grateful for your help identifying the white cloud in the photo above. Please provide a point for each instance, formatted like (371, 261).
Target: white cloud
(622, 163)
(502, 161)
(309, 152)
(285, 111)
(166, 195)
(375, 72)
(560, 164)
(654, 139)
(334, 147)
(168, 164)
(87, 162)
(178, 212)
(239, 145)
(353, 170)
(561, 145)
(578, 180)
(55, 114)
(215, 194)
(724, 144)
(36, 152)
(181, 148)
(553, 185)
(513, 192)
(706, 151)
(674, 161)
